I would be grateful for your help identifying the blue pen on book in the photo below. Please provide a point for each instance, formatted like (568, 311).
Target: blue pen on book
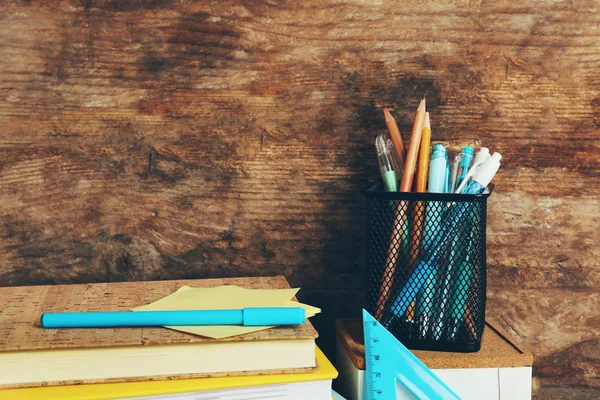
(249, 316)
(450, 228)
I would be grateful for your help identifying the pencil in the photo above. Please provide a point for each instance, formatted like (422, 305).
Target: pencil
(395, 135)
(418, 211)
(413, 149)
(401, 211)
(423, 165)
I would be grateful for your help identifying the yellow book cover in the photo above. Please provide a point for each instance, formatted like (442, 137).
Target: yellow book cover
(324, 372)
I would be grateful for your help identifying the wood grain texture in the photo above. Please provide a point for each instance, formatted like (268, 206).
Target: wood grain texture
(148, 140)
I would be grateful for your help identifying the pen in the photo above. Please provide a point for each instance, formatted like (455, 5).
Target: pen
(484, 174)
(466, 158)
(251, 316)
(454, 173)
(446, 281)
(396, 165)
(447, 183)
(480, 157)
(385, 165)
(460, 286)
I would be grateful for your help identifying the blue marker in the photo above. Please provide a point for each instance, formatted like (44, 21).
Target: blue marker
(437, 169)
(437, 182)
(250, 316)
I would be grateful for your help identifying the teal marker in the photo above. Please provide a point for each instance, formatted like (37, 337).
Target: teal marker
(437, 183)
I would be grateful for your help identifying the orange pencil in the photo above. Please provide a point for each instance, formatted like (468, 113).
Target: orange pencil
(413, 149)
(418, 211)
(394, 132)
(401, 210)
(423, 166)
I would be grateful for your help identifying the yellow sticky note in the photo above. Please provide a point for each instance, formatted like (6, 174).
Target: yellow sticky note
(225, 298)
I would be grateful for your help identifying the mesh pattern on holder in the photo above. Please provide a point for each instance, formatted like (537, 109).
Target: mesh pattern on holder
(426, 267)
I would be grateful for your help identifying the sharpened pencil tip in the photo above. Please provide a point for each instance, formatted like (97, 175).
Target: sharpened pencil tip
(387, 114)
(427, 124)
(421, 106)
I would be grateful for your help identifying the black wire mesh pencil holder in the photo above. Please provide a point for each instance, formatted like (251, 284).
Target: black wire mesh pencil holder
(426, 267)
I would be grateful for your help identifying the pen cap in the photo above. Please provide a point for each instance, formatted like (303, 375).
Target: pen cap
(380, 146)
(256, 316)
(466, 157)
(481, 155)
(468, 150)
(385, 165)
(437, 169)
(486, 171)
(438, 150)
(396, 164)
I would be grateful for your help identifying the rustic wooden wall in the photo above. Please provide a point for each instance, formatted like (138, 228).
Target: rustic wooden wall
(175, 139)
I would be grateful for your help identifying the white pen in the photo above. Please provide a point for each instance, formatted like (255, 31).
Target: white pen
(482, 155)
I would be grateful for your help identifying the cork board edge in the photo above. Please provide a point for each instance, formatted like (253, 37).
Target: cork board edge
(355, 352)
(492, 324)
(156, 378)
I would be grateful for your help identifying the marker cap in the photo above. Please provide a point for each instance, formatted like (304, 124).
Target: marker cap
(438, 150)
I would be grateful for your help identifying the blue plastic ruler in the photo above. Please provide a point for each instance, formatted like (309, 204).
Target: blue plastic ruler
(388, 362)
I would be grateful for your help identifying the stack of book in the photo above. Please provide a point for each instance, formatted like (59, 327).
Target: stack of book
(157, 363)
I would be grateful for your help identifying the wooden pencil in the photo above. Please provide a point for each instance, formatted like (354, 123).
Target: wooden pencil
(400, 217)
(395, 135)
(423, 164)
(418, 210)
(413, 149)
